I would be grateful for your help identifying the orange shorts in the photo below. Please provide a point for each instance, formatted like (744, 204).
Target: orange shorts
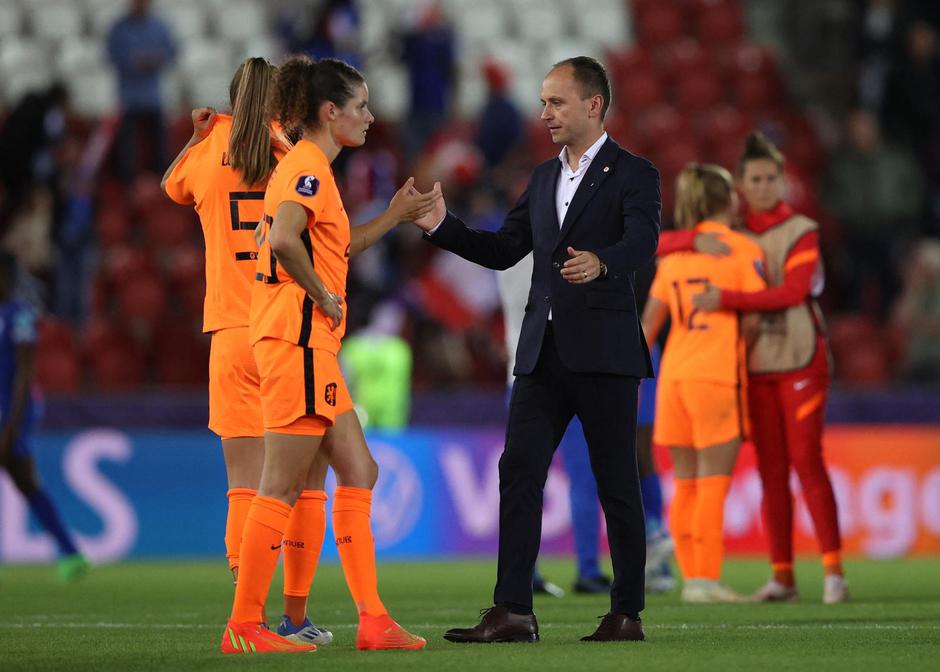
(302, 390)
(697, 413)
(234, 386)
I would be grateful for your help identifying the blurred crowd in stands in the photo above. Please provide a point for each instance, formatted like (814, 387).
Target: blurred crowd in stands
(119, 268)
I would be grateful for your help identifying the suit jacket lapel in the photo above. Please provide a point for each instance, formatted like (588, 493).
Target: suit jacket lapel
(600, 168)
(549, 187)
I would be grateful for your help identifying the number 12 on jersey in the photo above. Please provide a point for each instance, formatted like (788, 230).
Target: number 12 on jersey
(696, 320)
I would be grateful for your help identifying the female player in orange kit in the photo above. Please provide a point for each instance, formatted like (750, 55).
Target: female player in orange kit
(699, 413)
(788, 371)
(223, 170)
(296, 325)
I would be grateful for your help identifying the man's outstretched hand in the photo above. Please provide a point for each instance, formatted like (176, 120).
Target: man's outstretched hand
(434, 216)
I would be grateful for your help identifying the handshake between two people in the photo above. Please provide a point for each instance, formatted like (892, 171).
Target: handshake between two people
(427, 210)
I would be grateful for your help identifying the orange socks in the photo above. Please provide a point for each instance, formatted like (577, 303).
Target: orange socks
(351, 512)
(239, 499)
(832, 563)
(681, 511)
(303, 540)
(260, 548)
(708, 526)
(783, 573)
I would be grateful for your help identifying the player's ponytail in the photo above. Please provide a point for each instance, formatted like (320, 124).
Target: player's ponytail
(249, 147)
(757, 146)
(703, 190)
(303, 85)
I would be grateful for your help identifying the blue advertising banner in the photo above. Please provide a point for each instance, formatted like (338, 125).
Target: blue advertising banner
(143, 493)
(151, 493)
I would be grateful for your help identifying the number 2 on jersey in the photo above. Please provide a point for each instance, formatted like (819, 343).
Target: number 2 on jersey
(696, 285)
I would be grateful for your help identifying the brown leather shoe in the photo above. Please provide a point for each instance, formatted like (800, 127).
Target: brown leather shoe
(617, 628)
(497, 625)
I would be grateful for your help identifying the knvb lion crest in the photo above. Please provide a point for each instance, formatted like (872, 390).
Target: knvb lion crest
(329, 394)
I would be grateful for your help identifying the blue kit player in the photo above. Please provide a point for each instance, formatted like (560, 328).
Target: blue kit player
(17, 415)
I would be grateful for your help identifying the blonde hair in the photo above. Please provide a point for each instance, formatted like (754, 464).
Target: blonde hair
(702, 190)
(249, 146)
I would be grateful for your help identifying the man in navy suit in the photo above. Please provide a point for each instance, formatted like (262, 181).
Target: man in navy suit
(591, 219)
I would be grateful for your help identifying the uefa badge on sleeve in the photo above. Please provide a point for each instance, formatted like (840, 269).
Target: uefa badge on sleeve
(307, 185)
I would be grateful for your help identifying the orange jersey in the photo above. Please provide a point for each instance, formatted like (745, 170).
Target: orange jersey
(280, 308)
(706, 346)
(229, 212)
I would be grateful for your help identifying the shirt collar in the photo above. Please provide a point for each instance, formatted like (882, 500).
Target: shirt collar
(586, 158)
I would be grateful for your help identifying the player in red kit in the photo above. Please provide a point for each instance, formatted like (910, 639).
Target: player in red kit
(788, 368)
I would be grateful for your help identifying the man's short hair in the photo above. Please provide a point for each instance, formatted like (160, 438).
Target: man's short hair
(591, 76)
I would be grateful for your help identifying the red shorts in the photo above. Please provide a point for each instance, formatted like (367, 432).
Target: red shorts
(302, 389)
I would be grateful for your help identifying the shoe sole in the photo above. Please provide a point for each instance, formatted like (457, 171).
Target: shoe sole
(519, 639)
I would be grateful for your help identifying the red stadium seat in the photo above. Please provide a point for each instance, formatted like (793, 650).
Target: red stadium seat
(623, 63)
(865, 365)
(684, 57)
(186, 264)
(143, 297)
(723, 127)
(55, 335)
(117, 369)
(727, 155)
(620, 128)
(194, 297)
(699, 91)
(111, 191)
(146, 194)
(663, 121)
(100, 334)
(643, 89)
(169, 225)
(720, 23)
(124, 262)
(181, 354)
(756, 92)
(113, 225)
(749, 58)
(676, 154)
(660, 24)
(58, 370)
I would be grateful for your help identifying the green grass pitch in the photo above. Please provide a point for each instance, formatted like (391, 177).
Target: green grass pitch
(169, 616)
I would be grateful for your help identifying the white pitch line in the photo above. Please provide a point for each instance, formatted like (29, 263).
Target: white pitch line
(544, 626)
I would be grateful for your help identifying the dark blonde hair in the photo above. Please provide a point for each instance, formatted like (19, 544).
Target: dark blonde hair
(303, 85)
(249, 145)
(757, 146)
(702, 190)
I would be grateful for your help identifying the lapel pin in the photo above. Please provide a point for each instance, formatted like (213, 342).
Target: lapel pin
(606, 169)
(592, 184)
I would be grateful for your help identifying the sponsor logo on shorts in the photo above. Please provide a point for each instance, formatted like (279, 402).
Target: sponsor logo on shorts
(293, 544)
(329, 394)
(307, 185)
(344, 540)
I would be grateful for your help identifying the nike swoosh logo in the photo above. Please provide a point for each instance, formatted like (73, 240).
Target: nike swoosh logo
(274, 548)
(800, 384)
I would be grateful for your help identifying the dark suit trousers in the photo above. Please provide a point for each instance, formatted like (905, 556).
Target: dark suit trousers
(540, 409)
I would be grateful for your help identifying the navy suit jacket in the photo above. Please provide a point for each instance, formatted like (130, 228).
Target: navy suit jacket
(615, 214)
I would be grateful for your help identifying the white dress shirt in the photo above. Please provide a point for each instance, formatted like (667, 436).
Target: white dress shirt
(568, 180)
